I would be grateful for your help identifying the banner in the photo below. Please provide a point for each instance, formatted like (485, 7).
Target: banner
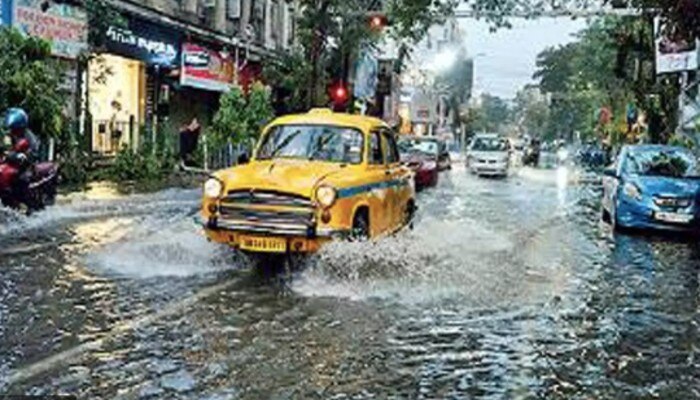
(673, 54)
(366, 76)
(5, 12)
(145, 41)
(203, 68)
(64, 25)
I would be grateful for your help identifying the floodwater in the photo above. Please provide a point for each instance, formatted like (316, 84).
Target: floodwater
(505, 289)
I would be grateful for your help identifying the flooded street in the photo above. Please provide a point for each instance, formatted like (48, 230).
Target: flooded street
(504, 289)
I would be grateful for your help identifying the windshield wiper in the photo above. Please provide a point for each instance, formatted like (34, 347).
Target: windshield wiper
(317, 150)
(283, 144)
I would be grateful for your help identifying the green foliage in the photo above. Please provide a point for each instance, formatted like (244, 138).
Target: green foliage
(101, 16)
(30, 78)
(146, 164)
(331, 34)
(683, 15)
(240, 118)
(610, 65)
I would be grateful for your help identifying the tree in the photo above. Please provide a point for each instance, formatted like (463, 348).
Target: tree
(331, 34)
(240, 118)
(611, 65)
(30, 78)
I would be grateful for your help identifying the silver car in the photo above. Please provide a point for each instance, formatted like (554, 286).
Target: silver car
(489, 155)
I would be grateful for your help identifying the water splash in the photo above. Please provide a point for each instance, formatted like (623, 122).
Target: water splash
(80, 207)
(175, 250)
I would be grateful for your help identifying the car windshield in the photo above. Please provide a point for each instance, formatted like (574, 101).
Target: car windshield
(489, 144)
(676, 163)
(429, 147)
(313, 142)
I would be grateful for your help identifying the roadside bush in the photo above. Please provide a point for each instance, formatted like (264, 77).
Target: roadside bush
(240, 117)
(31, 79)
(146, 164)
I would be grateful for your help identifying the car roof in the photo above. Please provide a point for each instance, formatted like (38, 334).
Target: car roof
(487, 136)
(328, 117)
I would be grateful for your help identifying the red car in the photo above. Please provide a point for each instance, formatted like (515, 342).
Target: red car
(421, 155)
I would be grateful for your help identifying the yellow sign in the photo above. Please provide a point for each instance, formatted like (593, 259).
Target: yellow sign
(263, 244)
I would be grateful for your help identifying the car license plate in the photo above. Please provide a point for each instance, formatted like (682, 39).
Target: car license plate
(263, 244)
(674, 217)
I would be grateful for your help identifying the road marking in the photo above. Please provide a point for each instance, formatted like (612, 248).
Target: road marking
(63, 357)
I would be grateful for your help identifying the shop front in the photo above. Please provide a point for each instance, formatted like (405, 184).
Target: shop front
(128, 89)
(206, 71)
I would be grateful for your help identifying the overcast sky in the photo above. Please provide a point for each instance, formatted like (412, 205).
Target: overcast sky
(505, 60)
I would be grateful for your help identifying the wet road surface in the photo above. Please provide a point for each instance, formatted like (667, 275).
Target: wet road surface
(505, 289)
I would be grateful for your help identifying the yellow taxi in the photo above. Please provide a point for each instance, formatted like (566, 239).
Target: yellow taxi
(313, 178)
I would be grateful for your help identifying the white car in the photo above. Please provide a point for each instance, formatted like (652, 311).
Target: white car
(489, 155)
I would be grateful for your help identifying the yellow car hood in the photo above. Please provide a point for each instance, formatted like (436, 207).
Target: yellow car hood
(300, 177)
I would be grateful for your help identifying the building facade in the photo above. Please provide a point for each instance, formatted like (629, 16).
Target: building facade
(167, 64)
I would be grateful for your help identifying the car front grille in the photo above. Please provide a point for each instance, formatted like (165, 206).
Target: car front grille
(267, 198)
(268, 212)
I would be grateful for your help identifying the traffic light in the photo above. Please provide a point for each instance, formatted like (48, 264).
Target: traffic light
(339, 94)
(377, 21)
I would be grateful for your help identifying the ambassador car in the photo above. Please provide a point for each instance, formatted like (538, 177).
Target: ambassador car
(652, 187)
(313, 178)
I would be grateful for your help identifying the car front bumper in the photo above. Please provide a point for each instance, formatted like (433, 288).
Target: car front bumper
(299, 238)
(640, 216)
(499, 169)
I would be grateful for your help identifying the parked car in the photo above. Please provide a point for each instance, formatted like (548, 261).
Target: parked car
(421, 156)
(313, 178)
(489, 155)
(652, 187)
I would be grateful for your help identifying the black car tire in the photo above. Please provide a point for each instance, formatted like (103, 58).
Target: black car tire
(360, 226)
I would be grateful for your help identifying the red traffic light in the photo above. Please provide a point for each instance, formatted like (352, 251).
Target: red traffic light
(339, 93)
(377, 21)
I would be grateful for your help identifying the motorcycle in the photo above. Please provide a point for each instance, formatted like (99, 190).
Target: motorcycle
(42, 189)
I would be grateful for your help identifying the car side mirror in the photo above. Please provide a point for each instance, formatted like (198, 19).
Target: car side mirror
(243, 158)
(610, 172)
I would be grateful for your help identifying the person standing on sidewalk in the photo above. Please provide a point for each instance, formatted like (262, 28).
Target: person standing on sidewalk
(189, 138)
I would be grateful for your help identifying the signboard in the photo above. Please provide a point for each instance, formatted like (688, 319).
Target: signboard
(64, 25)
(366, 72)
(145, 41)
(5, 12)
(206, 69)
(673, 54)
(422, 108)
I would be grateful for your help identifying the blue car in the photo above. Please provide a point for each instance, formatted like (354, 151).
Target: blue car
(653, 187)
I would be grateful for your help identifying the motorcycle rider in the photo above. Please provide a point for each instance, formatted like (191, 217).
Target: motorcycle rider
(25, 148)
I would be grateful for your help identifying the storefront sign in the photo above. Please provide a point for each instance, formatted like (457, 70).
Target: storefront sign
(5, 12)
(206, 69)
(64, 25)
(145, 41)
(674, 54)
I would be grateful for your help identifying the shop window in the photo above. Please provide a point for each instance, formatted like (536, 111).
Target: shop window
(116, 102)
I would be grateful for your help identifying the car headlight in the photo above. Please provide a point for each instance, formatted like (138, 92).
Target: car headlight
(326, 196)
(631, 190)
(213, 188)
